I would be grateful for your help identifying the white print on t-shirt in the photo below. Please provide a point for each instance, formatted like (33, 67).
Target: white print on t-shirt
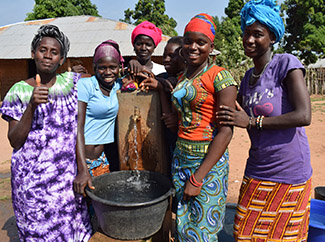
(251, 101)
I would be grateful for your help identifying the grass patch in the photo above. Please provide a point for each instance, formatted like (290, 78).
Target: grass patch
(2, 198)
(318, 107)
(317, 98)
(317, 103)
(4, 180)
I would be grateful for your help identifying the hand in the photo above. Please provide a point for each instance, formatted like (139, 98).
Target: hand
(172, 81)
(170, 120)
(190, 191)
(150, 83)
(40, 94)
(127, 80)
(81, 181)
(135, 68)
(166, 83)
(235, 117)
(79, 69)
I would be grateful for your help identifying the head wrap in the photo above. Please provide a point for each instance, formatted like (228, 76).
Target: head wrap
(149, 29)
(266, 12)
(52, 31)
(202, 23)
(108, 48)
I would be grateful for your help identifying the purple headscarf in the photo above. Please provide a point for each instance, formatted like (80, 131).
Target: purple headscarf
(108, 48)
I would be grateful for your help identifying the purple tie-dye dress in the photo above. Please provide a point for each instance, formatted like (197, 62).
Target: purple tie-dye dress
(43, 169)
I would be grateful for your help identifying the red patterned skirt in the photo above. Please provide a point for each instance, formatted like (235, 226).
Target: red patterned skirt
(273, 212)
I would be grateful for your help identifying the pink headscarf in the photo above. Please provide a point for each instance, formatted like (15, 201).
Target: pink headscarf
(108, 48)
(149, 29)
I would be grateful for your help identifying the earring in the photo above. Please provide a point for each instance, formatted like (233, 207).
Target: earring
(180, 52)
(181, 55)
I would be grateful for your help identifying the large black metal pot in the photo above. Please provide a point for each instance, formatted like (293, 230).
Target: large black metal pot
(320, 193)
(130, 205)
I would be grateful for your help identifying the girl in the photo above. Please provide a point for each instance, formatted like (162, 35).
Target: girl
(97, 110)
(274, 199)
(200, 162)
(42, 116)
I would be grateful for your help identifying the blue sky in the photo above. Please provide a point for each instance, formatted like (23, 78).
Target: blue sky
(13, 11)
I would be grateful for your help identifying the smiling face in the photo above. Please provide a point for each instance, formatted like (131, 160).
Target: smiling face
(172, 61)
(196, 48)
(143, 47)
(257, 40)
(107, 70)
(47, 55)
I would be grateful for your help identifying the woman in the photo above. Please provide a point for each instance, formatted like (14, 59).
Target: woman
(200, 162)
(274, 198)
(97, 111)
(173, 62)
(165, 83)
(42, 117)
(145, 38)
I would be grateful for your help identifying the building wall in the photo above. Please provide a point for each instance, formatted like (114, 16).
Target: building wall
(11, 71)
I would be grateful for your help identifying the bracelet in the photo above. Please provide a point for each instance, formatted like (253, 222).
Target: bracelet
(259, 122)
(194, 182)
(250, 122)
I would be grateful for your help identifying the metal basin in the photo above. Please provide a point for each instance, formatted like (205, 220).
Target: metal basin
(130, 205)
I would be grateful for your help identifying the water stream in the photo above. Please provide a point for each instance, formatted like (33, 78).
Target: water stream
(136, 132)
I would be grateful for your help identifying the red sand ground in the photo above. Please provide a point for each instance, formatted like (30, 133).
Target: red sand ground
(238, 153)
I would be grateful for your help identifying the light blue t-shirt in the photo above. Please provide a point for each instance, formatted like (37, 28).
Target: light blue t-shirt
(101, 110)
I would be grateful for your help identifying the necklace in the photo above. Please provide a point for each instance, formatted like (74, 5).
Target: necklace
(253, 78)
(105, 88)
(197, 74)
(264, 67)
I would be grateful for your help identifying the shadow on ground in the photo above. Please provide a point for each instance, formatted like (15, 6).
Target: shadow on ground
(11, 228)
(225, 235)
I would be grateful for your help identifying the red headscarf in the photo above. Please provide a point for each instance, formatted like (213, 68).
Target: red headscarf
(202, 23)
(149, 29)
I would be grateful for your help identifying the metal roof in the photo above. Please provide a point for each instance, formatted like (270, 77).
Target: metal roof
(84, 33)
(319, 64)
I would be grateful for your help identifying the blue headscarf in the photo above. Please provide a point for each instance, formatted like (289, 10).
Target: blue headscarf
(266, 12)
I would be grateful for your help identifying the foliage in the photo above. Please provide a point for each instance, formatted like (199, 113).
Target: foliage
(233, 9)
(61, 8)
(305, 28)
(154, 12)
(229, 41)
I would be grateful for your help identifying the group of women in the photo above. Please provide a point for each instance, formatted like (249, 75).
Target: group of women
(59, 127)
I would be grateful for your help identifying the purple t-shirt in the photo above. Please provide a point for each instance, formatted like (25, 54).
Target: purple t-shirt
(276, 155)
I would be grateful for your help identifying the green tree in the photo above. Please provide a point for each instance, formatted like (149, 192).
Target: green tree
(305, 28)
(60, 8)
(233, 9)
(229, 41)
(154, 12)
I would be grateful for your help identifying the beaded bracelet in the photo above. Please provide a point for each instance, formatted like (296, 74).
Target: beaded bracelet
(259, 122)
(194, 182)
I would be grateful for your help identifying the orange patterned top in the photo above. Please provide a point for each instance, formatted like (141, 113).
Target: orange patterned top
(195, 101)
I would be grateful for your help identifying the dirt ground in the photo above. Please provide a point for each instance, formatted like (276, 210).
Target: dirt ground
(238, 153)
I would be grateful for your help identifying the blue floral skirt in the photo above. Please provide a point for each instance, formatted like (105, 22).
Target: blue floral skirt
(200, 218)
